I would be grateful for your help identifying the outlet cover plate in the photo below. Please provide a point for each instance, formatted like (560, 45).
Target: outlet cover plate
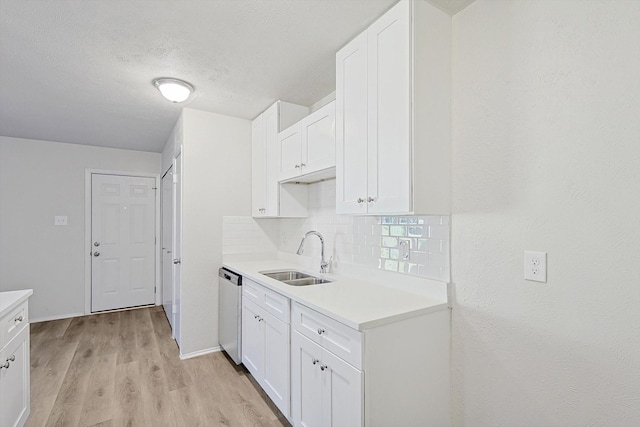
(60, 220)
(535, 266)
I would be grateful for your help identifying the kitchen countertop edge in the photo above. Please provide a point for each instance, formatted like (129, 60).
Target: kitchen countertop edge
(11, 299)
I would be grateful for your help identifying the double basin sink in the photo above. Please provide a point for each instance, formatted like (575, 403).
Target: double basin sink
(295, 278)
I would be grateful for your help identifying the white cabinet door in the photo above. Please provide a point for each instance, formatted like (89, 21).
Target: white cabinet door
(276, 362)
(389, 112)
(342, 392)
(351, 127)
(258, 167)
(306, 382)
(252, 339)
(290, 152)
(14, 381)
(271, 129)
(319, 140)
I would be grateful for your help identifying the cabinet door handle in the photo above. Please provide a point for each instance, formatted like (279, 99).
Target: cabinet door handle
(297, 166)
(302, 165)
(5, 365)
(371, 199)
(256, 317)
(360, 200)
(314, 361)
(12, 358)
(323, 367)
(320, 331)
(18, 319)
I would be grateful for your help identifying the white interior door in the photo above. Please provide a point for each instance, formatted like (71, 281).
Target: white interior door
(167, 244)
(177, 246)
(123, 241)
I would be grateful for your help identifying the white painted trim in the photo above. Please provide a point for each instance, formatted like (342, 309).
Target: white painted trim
(87, 230)
(56, 317)
(200, 353)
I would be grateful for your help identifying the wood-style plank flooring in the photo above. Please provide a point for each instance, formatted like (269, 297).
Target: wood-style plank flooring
(122, 369)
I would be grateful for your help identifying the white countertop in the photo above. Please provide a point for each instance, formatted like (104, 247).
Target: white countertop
(356, 303)
(11, 299)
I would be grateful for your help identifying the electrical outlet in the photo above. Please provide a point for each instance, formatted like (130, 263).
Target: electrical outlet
(535, 266)
(60, 220)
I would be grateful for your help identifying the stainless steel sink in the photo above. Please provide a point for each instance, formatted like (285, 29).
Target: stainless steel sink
(285, 275)
(306, 281)
(295, 278)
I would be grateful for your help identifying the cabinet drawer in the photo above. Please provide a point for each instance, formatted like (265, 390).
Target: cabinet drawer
(252, 291)
(271, 301)
(334, 336)
(13, 322)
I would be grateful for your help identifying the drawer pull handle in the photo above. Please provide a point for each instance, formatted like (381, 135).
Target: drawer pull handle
(256, 316)
(18, 319)
(5, 365)
(315, 361)
(12, 358)
(320, 331)
(323, 367)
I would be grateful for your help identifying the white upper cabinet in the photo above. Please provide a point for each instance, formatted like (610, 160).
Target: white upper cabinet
(265, 159)
(308, 148)
(393, 114)
(258, 168)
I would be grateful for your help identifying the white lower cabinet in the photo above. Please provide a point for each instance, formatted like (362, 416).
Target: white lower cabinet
(322, 373)
(326, 391)
(14, 368)
(265, 345)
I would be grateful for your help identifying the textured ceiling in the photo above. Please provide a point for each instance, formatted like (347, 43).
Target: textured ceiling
(80, 71)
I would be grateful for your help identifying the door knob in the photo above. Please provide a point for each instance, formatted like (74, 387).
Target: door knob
(96, 253)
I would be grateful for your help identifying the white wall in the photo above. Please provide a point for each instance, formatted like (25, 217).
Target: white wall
(546, 157)
(216, 182)
(39, 180)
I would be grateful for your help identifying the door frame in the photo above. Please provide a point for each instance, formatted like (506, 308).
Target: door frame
(87, 231)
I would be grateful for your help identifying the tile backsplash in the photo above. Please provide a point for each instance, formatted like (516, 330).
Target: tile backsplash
(415, 245)
(245, 235)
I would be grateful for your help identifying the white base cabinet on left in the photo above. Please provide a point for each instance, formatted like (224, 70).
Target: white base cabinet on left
(15, 396)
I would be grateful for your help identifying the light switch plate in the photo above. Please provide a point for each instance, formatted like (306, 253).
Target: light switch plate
(535, 266)
(60, 220)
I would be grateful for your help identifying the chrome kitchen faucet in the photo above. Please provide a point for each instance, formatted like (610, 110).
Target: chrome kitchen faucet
(323, 263)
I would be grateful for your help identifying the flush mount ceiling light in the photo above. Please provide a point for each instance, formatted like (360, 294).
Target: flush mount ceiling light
(173, 89)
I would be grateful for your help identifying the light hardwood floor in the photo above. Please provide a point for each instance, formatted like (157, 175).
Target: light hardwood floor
(122, 369)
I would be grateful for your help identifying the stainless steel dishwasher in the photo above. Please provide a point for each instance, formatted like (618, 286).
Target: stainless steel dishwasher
(230, 313)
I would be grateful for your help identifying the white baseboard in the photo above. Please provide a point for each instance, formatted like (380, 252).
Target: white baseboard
(57, 317)
(199, 353)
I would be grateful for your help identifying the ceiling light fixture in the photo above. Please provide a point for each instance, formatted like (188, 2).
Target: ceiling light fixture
(174, 90)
